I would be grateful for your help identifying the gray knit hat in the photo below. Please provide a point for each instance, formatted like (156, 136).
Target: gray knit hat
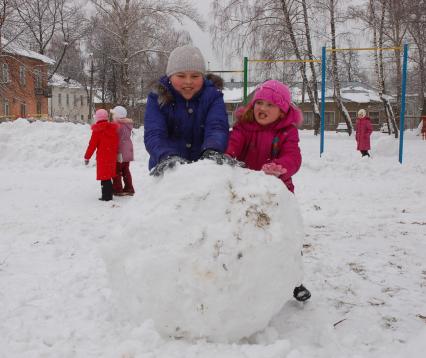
(185, 58)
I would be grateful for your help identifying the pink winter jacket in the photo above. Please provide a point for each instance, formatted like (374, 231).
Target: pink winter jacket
(254, 145)
(363, 133)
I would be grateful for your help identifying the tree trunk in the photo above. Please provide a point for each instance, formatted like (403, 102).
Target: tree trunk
(314, 85)
(337, 95)
(299, 57)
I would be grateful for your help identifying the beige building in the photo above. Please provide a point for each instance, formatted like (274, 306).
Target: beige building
(69, 100)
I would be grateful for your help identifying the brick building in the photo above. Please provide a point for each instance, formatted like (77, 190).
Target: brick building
(23, 83)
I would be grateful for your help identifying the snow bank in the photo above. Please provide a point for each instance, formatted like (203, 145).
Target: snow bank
(43, 144)
(209, 251)
(386, 146)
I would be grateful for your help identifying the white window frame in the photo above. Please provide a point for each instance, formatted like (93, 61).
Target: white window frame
(22, 75)
(330, 122)
(308, 118)
(6, 107)
(38, 83)
(24, 114)
(5, 73)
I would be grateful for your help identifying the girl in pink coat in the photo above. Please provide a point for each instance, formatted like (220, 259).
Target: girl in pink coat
(266, 138)
(363, 133)
(125, 153)
(266, 135)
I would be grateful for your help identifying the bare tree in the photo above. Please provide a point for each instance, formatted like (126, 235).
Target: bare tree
(395, 30)
(273, 29)
(417, 30)
(374, 16)
(72, 27)
(133, 29)
(40, 18)
(335, 74)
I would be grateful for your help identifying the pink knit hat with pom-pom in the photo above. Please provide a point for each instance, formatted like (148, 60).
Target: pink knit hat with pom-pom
(275, 92)
(101, 115)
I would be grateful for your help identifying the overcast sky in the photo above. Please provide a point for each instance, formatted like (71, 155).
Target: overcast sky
(202, 39)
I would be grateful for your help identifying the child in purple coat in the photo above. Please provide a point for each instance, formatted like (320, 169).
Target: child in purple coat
(125, 153)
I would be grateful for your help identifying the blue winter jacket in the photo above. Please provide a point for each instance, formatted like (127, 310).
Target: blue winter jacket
(176, 126)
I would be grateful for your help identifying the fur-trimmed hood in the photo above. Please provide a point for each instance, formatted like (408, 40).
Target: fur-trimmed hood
(166, 93)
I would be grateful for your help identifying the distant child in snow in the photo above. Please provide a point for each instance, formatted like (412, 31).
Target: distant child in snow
(266, 138)
(125, 152)
(423, 128)
(363, 132)
(105, 141)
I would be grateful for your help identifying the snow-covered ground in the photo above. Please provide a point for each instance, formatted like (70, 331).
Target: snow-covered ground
(364, 254)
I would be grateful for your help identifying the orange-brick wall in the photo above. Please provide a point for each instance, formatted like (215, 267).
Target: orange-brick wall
(16, 93)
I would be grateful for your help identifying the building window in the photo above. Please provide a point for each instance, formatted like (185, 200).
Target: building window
(329, 118)
(59, 98)
(374, 116)
(5, 73)
(38, 107)
(308, 118)
(23, 110)
(82, 118)
(22, 78)
(37, 79)
(68, 99)
(75, 100)
(6, 108)
(82, 101)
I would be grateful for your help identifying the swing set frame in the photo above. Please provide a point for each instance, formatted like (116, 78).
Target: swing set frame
(323, 62)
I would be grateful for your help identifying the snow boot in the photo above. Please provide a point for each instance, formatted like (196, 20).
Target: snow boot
(301, 293)
(106, 186)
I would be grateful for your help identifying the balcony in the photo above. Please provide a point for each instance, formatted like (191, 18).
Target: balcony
(39, 91)
(43, 91)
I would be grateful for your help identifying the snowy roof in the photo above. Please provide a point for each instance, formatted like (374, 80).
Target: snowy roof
(351, 92)
(60, 81)
(14, 48)
(235, 95)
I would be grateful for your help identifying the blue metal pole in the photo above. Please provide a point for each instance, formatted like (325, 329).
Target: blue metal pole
(402, 114)
(323, 68)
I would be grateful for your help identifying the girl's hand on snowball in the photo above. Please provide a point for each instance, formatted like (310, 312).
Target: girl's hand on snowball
(274, 169)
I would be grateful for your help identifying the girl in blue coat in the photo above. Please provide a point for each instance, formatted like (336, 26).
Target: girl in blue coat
(185, 118)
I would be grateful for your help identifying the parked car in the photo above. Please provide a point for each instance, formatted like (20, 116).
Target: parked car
(342, 127)
(384, 128)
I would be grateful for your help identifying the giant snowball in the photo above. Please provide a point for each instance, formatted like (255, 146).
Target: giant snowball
(207, 251)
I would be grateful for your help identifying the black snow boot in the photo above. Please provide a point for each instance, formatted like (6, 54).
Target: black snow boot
(106, 190)
(301, 293)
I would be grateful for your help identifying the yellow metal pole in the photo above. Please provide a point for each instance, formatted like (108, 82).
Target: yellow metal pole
(306, 61)
(365, 49)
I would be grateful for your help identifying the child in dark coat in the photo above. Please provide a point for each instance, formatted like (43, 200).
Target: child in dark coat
(185, 118)
(105, 141)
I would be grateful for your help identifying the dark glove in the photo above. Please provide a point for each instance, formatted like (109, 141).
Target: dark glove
(166, 164)
(221, 158)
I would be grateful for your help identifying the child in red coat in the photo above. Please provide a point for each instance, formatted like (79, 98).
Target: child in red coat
(105, 141)
(364, 129)
(266, 138)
